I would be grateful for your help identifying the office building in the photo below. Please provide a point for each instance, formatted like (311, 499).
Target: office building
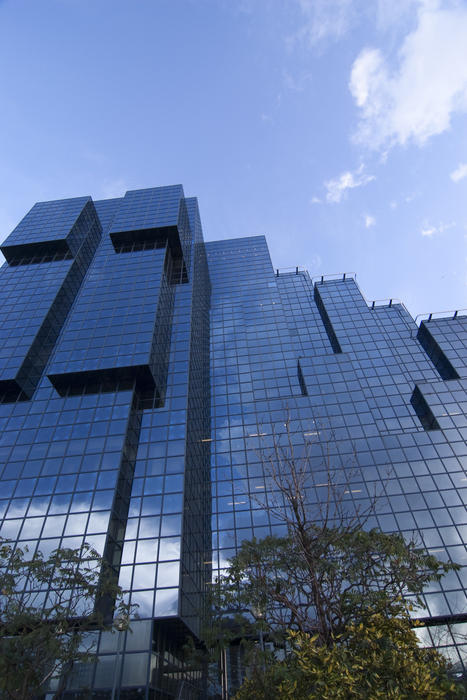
(142, 371)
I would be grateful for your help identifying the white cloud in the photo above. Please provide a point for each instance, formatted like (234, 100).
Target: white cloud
(322, 19)
(369, 220)
(459, 173)
(365, 71)
(336, 188)
(391, 13)
(415, 100)
(315, 200)
(429, 231)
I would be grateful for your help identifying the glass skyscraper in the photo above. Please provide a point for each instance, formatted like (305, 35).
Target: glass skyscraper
(143, 371)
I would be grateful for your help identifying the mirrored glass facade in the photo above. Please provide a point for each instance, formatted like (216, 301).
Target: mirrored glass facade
(144, 372)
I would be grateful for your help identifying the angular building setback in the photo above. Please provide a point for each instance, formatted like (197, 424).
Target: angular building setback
(142, 374)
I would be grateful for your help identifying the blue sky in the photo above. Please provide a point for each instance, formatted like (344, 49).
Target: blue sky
(338, 128)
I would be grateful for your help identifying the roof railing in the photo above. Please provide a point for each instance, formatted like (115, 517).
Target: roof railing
(383, 302)
(437, 315)
(376, 303)
(289, 270)
(338, 276)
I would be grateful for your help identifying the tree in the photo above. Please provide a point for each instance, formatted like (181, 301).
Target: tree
(376, 659)
(329, 578)
(334, 607)
(48, 606)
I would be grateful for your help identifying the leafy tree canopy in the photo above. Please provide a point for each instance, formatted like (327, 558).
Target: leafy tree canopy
(379, 658)
(321, 580)
(47, 607)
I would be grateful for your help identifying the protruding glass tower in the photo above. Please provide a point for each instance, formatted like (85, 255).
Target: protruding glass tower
(142, 369)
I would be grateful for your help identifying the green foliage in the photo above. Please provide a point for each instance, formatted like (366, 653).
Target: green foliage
(376, 659)
(47, 607)
(322, 581)
(338, 601)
